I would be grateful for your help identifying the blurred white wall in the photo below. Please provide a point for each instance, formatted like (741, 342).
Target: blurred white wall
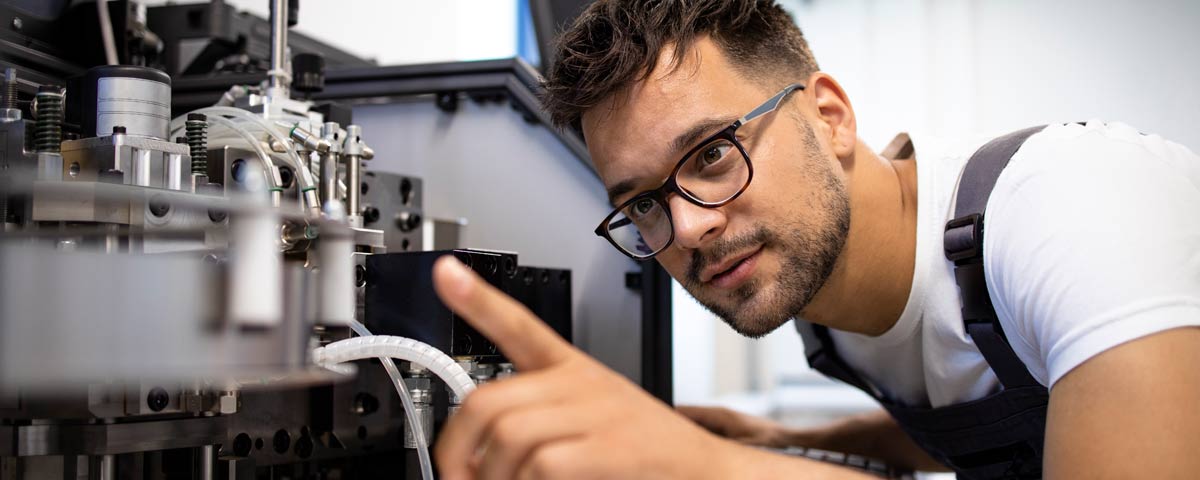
(956, 67)
(394, 32)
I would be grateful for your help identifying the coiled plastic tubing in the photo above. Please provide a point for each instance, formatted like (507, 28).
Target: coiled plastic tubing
(407, 349)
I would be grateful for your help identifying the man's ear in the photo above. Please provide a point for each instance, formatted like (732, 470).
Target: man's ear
(835, 115)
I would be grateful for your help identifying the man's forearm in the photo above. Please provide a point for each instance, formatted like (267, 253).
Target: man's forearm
(753, 463)
(874, 435)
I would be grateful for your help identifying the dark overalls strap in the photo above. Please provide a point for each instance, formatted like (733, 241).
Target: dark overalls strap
(822, 356)
(963, 243)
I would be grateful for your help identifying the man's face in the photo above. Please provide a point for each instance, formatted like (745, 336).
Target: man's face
(757, 261)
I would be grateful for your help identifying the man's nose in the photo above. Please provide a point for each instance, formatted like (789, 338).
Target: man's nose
(695, 225)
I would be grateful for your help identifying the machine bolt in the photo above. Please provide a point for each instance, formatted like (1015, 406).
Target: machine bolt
(360, 276)
(370, 215)
(9, 99)
(281, 442)
(159, 207)
(157, 399)
(242, 444)
(304, 447)
(407, 221)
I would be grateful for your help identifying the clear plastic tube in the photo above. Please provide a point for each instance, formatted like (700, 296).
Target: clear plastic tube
(406, 399)
(308, 186)
(269, 166)
(410, 409)
(389, 365)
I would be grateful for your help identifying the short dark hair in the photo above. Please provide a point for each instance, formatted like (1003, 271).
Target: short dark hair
(614, 43)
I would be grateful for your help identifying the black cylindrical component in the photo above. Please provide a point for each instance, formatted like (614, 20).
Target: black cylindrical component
(197, 139)
(293, 12)
(48, 125)
(308, 73)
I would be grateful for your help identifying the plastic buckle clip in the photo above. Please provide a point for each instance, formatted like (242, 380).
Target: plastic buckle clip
(963, 239)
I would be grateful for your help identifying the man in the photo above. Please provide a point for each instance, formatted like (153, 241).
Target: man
(735, 163)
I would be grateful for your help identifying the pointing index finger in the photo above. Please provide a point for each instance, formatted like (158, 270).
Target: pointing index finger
(524, 339)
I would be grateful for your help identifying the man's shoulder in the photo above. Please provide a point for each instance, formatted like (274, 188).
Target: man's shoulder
(1083, 153)
(1088, 231)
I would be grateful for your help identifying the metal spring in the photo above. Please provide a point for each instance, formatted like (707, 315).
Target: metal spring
(197, 140)
(48, 126)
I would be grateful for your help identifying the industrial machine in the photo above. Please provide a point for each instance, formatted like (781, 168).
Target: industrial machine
(215, 257)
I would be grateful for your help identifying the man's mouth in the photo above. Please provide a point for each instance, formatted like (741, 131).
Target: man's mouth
(732, 271)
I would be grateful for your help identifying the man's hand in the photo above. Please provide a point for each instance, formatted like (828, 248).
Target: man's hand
(565, 415)
(873, 435)
(738, 426)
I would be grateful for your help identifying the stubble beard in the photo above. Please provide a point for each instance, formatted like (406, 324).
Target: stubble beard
(808, 248)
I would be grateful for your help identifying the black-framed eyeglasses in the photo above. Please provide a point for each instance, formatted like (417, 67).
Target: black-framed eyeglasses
(713, 173)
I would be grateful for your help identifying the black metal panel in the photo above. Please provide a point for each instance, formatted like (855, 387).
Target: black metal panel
(547, 293)
(400, 300)
(197, 37)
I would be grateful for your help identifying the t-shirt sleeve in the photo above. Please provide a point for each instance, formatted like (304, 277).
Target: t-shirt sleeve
(1092, 240)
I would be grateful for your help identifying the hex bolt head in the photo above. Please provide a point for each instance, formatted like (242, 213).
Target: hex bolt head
(157, 399)
(159, 206)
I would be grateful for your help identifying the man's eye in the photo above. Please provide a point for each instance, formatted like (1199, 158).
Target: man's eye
(643, 206)
(714, 153)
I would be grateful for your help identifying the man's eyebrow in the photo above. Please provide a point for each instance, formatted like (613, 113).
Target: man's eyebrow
(622, 187)
(681, 142)
(699, 130)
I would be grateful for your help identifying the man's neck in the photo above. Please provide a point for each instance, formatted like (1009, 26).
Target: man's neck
(870, 283)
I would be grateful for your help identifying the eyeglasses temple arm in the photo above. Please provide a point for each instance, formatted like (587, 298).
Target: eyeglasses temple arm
(771, 104)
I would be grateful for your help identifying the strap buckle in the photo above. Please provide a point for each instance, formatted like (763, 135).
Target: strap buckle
(963, 239)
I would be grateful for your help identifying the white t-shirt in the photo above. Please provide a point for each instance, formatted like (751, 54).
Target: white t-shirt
(1092, 240)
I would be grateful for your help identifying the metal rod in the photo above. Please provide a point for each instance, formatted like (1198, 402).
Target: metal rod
(329, 162)
(353, 184)
(206, 462)
(108, 467)
(279, 25)
(353, 153)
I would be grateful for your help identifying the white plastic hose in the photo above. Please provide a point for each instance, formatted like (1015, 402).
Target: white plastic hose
(407, 349)
(410, 408)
